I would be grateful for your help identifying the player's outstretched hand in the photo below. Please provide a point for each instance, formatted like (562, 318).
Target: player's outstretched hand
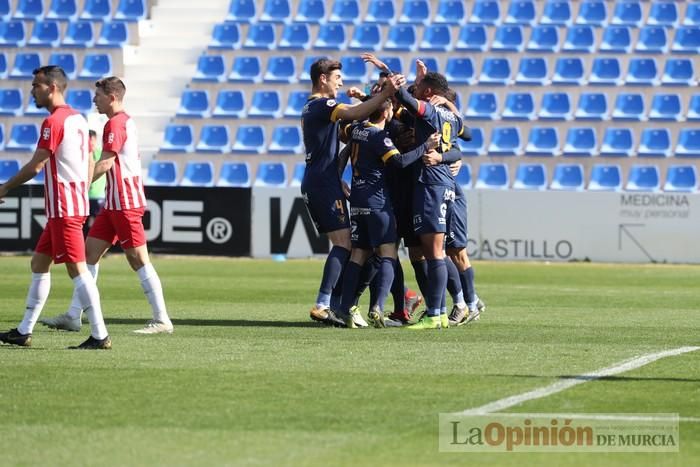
(421, 70)
(355, 92)
(371, 58)
(436, 100)
(455, 166)
(433, 141)
(394, 83)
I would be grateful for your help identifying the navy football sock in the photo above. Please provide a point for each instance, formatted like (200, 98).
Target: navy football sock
(454, 284)
(421, 270)
(385, 279)
(369, 272)
(398, 290)
(332, 270)
(351, 277)
(437, 283)
(467, 278)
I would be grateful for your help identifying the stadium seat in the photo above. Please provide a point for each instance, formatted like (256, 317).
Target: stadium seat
(5, 11)
(276, 11)
(580, 141)
(474, 147)
(401, 37)
(80, 100)
(96, 66)
(178, 138)
(472, 37)
(543, 38)
(194, 103)
(381, 12)
(555, 106)
(286, 139)
(482, 106)
(113, 35)
(492, 176)
(354, 69)
(579, 39)
(679, 72)
(617, 142)
(304, 77)
(464, 177)
(688, 143)
(693, 108)
(568, 71)
(627, 13)
(310, 11)
(241, 11)
(486, 12)
(273, 174)
(592, 106)
(245, 69)
(605, 71)
(460, 70)
(592, 12)
(663, 14)
(530, 177)
(495, 71)
(666, 107)
(261, 36)
(23, 137)
(45, 33)
(225, 36)
(505, 141)
(616, 39)
(79, 34)
(345, 11)
(2, 136)
(298, 174)
(229, 104)
(521, 12)
(130, 10)
(415, 12)
(681, 178)
(450, 12)
(642, 71)
(331, 37)
(250, 139)
(65, 10)
(96, 10)
(557, 12)
(163, 173)
(295, 103)
(280, 69)
(692, 14)
(567, 177)
(543, 141)
(11, 102)
(436, 37)
(214, 139)
(347, 175)
(652, 39)
(532, 72)
(8, 168)
(366, 37)
(687, 40)
(643, 178)
(32, 10)
(12, 34)
(519, 106)
(3, 65)
(295, 36)
(508, 38)
(629, 107)
(605, 177)
(234, 174)
(265, 104)
(25, 63)
(198, 174)
(654, 142)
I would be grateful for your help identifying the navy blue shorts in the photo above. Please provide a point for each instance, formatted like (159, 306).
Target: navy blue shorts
(457, 224)
(371, 228)
(431, 207)
(327, 207)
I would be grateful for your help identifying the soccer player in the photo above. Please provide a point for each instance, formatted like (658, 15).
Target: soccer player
(124, 207)
(62, 151)
(321, 187)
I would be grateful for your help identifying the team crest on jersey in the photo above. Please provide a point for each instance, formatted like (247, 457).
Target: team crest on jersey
(388, 142)
(330, 102)
(110, 138)
(46, 134)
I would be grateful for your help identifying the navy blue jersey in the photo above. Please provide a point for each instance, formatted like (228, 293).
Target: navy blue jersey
(319, 124)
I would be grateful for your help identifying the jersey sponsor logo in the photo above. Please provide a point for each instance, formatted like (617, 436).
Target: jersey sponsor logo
(46, 135)
(330, 102)
(360, 134)
(110, 138)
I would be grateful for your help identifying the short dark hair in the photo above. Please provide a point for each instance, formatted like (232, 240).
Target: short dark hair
(112, 85)
(451, 95)
(54, 75)
(436, 81)
(377, 114)
(323, 66)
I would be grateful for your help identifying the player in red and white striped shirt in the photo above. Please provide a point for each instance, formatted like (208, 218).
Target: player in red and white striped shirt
(125, 204)
(62, 152)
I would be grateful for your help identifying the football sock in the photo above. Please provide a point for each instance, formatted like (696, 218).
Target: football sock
(36, 298)
(90, 301)
(75, 311)
(454, 283)
(437, 283)
(351, 278)
(467, 279)
(150, 283)
(398, 290)
(335, 262)
(421, 270)
(385, 279)
(369, 272)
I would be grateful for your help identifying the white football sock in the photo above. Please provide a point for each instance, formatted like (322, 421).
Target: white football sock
(36, 298)
(89, 298)
(150, 283)
(76, 310)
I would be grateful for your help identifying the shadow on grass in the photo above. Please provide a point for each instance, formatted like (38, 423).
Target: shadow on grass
(606, 378)
(223, 322)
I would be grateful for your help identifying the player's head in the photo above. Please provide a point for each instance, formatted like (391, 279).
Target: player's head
(432, 84)
(48, 86)
(384, 112)
(451, 95)
(325, 76)
(109, 94)
(379, 85)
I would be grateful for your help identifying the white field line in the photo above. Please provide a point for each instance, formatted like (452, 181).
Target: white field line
(559, 386)
(598, 416)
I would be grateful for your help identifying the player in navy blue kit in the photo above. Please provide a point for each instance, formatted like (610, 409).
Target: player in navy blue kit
(321, 187)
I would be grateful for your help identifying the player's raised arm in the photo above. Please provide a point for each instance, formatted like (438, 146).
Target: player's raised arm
(366, 108)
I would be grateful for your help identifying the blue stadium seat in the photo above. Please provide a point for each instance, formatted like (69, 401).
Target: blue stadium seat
(310, 11)
(194, 103)
(366, 37)
(380, 11)
(581, 141)
(505, 141)
(693, 114)
(508, 38)
(354, 69)
(245, 69)
(66, 61)
(679, 72)
(96, 66)
(654, 142)
(556, 12)
(532, 71)
(555, 106)
(627, 13)
(229, 104)
(79, 34)
(345, 11)
(592, 106)
(130, 10)
(234, 174)
(666, 107)
(492, 176)
(331, 37)
(543, 38)
(295, 36)
(688, 143)
(519, 106)
(45, 33)
(178, 138)
(474, 147)
(250, 139)
(241, 11)
(23, 137)
(198, 174)
(567, 177)
(592, 12)
(450, 12)
(5, 11)
(629, 107)
(643, 178)
(495, 71)
(25, 63)
(261, 36)
(214, 139)
(543, 141)
(642, 71)
(521, 12)
(472, 37)
(30, 10)
(605, 71)
(692, 14)
(8, 168)
(464, 177)
(617, 142)
(80, 100)
(436, 37)
(459, 70)
(401, 37)
(280, 69)
(616, 39)
(265, 104)
(225, 36)
(163, 173)
(663, 14)
(295, 103)
(605, 177)
(273, 174)
(286, 139)
(579, 38)
(12, 34)
(65, 10)
(415, 11)
(3, 65)
(486, 12)
(652, 39)
(113, 35)
(276, 11)
(2, 136)
(97, 10)
(687, 40)
(681, 178)
(530, 177)
(568, 71)
(11, 102)
(482, 106)
(347, 175)
(304, 77)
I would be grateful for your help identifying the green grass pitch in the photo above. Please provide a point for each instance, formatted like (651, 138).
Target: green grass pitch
(248, 379)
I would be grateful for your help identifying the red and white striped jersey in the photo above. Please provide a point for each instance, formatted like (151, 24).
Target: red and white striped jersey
(124, 183)
(65, 134)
